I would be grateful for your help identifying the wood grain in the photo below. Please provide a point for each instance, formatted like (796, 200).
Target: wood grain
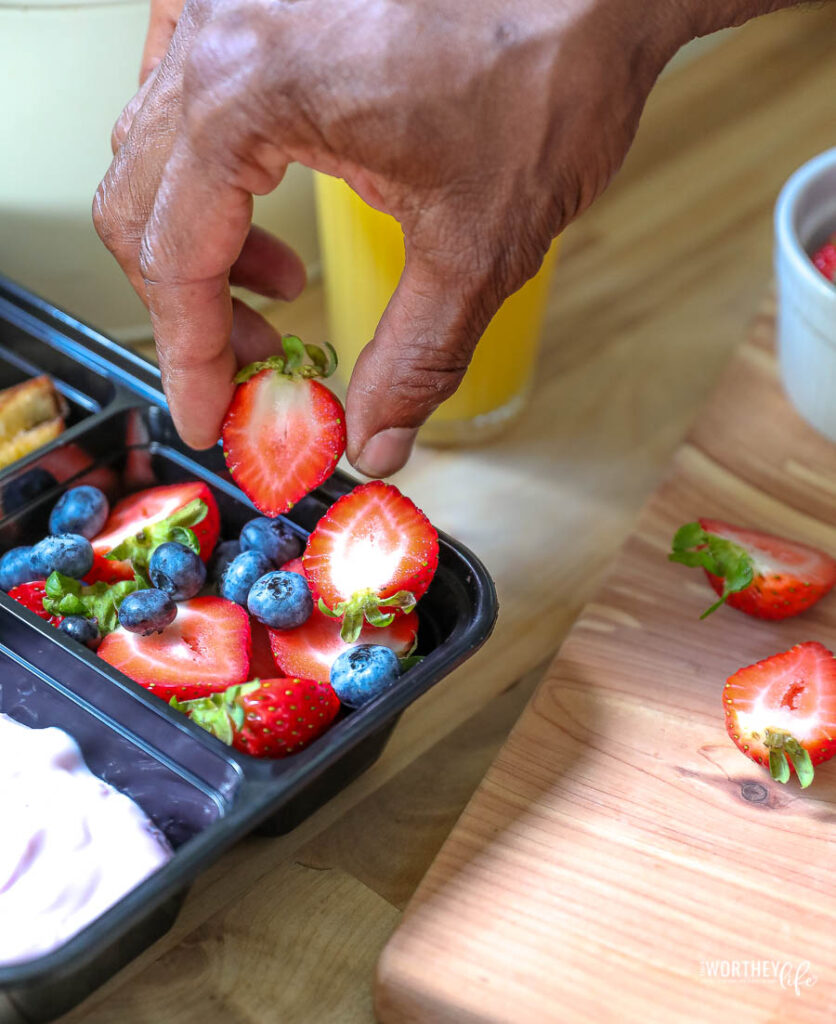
(620, 837)
(655, 285)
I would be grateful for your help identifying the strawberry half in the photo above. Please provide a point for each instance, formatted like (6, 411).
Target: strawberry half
(140, 511)
(765, 576)
(31, 595)
(825, 259)
(372, 550)
(205, 649)
(284, 432)
(781, 712)
(268, 717)
(311, 649)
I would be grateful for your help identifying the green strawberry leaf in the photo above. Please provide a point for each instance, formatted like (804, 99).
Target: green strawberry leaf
(366, 606)
(300, 361)
(410, 661)
(779, 767)
(221, 714)
(100, 601)
(800, 761)
(694, 547)
(139, 547)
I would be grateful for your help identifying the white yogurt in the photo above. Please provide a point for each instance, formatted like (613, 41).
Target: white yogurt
(70, 845)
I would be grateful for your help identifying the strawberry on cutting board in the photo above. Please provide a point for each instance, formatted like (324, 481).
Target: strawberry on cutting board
(781, 712)
(205, 649)
(765, 576)
(284, 431)
(372, 556)
(268, 717)
(138, 512)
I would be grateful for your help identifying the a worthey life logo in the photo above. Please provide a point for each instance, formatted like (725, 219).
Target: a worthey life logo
(795, 976)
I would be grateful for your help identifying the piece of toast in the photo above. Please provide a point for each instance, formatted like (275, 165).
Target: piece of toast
(28, 440)
(25, 405)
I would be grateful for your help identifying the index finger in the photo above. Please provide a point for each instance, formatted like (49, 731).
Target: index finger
(195, 233)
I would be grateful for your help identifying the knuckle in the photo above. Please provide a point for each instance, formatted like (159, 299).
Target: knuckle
(102, 218)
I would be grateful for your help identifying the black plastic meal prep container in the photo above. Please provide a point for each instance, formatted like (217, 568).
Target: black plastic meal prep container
(202, 794)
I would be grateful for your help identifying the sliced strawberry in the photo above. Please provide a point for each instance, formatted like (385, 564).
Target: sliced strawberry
(781, 712)
(137, 511)
(268, 717)
(309, 650)
(825, 259)
(262, 662)
(283, 433)
(372, 550)
(205, 649)
(294, 565)
(31, 595)
(764, 576)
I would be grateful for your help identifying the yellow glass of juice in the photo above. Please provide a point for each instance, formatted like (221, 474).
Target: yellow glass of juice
(363, 257)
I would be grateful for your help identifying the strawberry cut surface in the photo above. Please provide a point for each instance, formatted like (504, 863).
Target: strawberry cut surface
(129, 515)
(311, 649)
(205, 649)
(787, 699)
(282, 437)
(373, 541)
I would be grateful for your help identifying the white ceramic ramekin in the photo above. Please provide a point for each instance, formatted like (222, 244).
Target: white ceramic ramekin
(805, 216)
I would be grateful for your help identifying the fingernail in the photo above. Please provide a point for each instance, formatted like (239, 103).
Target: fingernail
(386, 452)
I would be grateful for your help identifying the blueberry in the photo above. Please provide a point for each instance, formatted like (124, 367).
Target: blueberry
(16, 567)
(81, 510)
(221, 557)
(281, 600)
(85, 631)
(273, 538)
(177, 570)
(240, 575)
(147, 611)
(68, 553)
(362, 672)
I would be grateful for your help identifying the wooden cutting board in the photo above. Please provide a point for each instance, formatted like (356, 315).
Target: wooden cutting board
(621, 856)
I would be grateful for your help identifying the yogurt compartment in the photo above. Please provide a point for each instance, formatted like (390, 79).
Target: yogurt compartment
(71, 845)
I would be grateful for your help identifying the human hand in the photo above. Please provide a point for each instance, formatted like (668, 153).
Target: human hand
(484, 130)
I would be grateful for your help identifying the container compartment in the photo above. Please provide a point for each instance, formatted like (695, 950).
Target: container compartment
(23, 354)
(203, 794)
(181, 804)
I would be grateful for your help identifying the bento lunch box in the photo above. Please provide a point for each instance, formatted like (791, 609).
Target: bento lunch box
(202, 794)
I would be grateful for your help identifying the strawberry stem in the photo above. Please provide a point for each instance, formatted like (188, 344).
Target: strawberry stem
(139, 547)
(323, 361)
(221, 714)
(694, 547)
(781, 746)
(66, 596)
(365, 605)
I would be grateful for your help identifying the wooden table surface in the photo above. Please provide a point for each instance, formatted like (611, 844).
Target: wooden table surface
(655, 286)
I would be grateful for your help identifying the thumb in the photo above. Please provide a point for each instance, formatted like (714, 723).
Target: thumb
(419, 354)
